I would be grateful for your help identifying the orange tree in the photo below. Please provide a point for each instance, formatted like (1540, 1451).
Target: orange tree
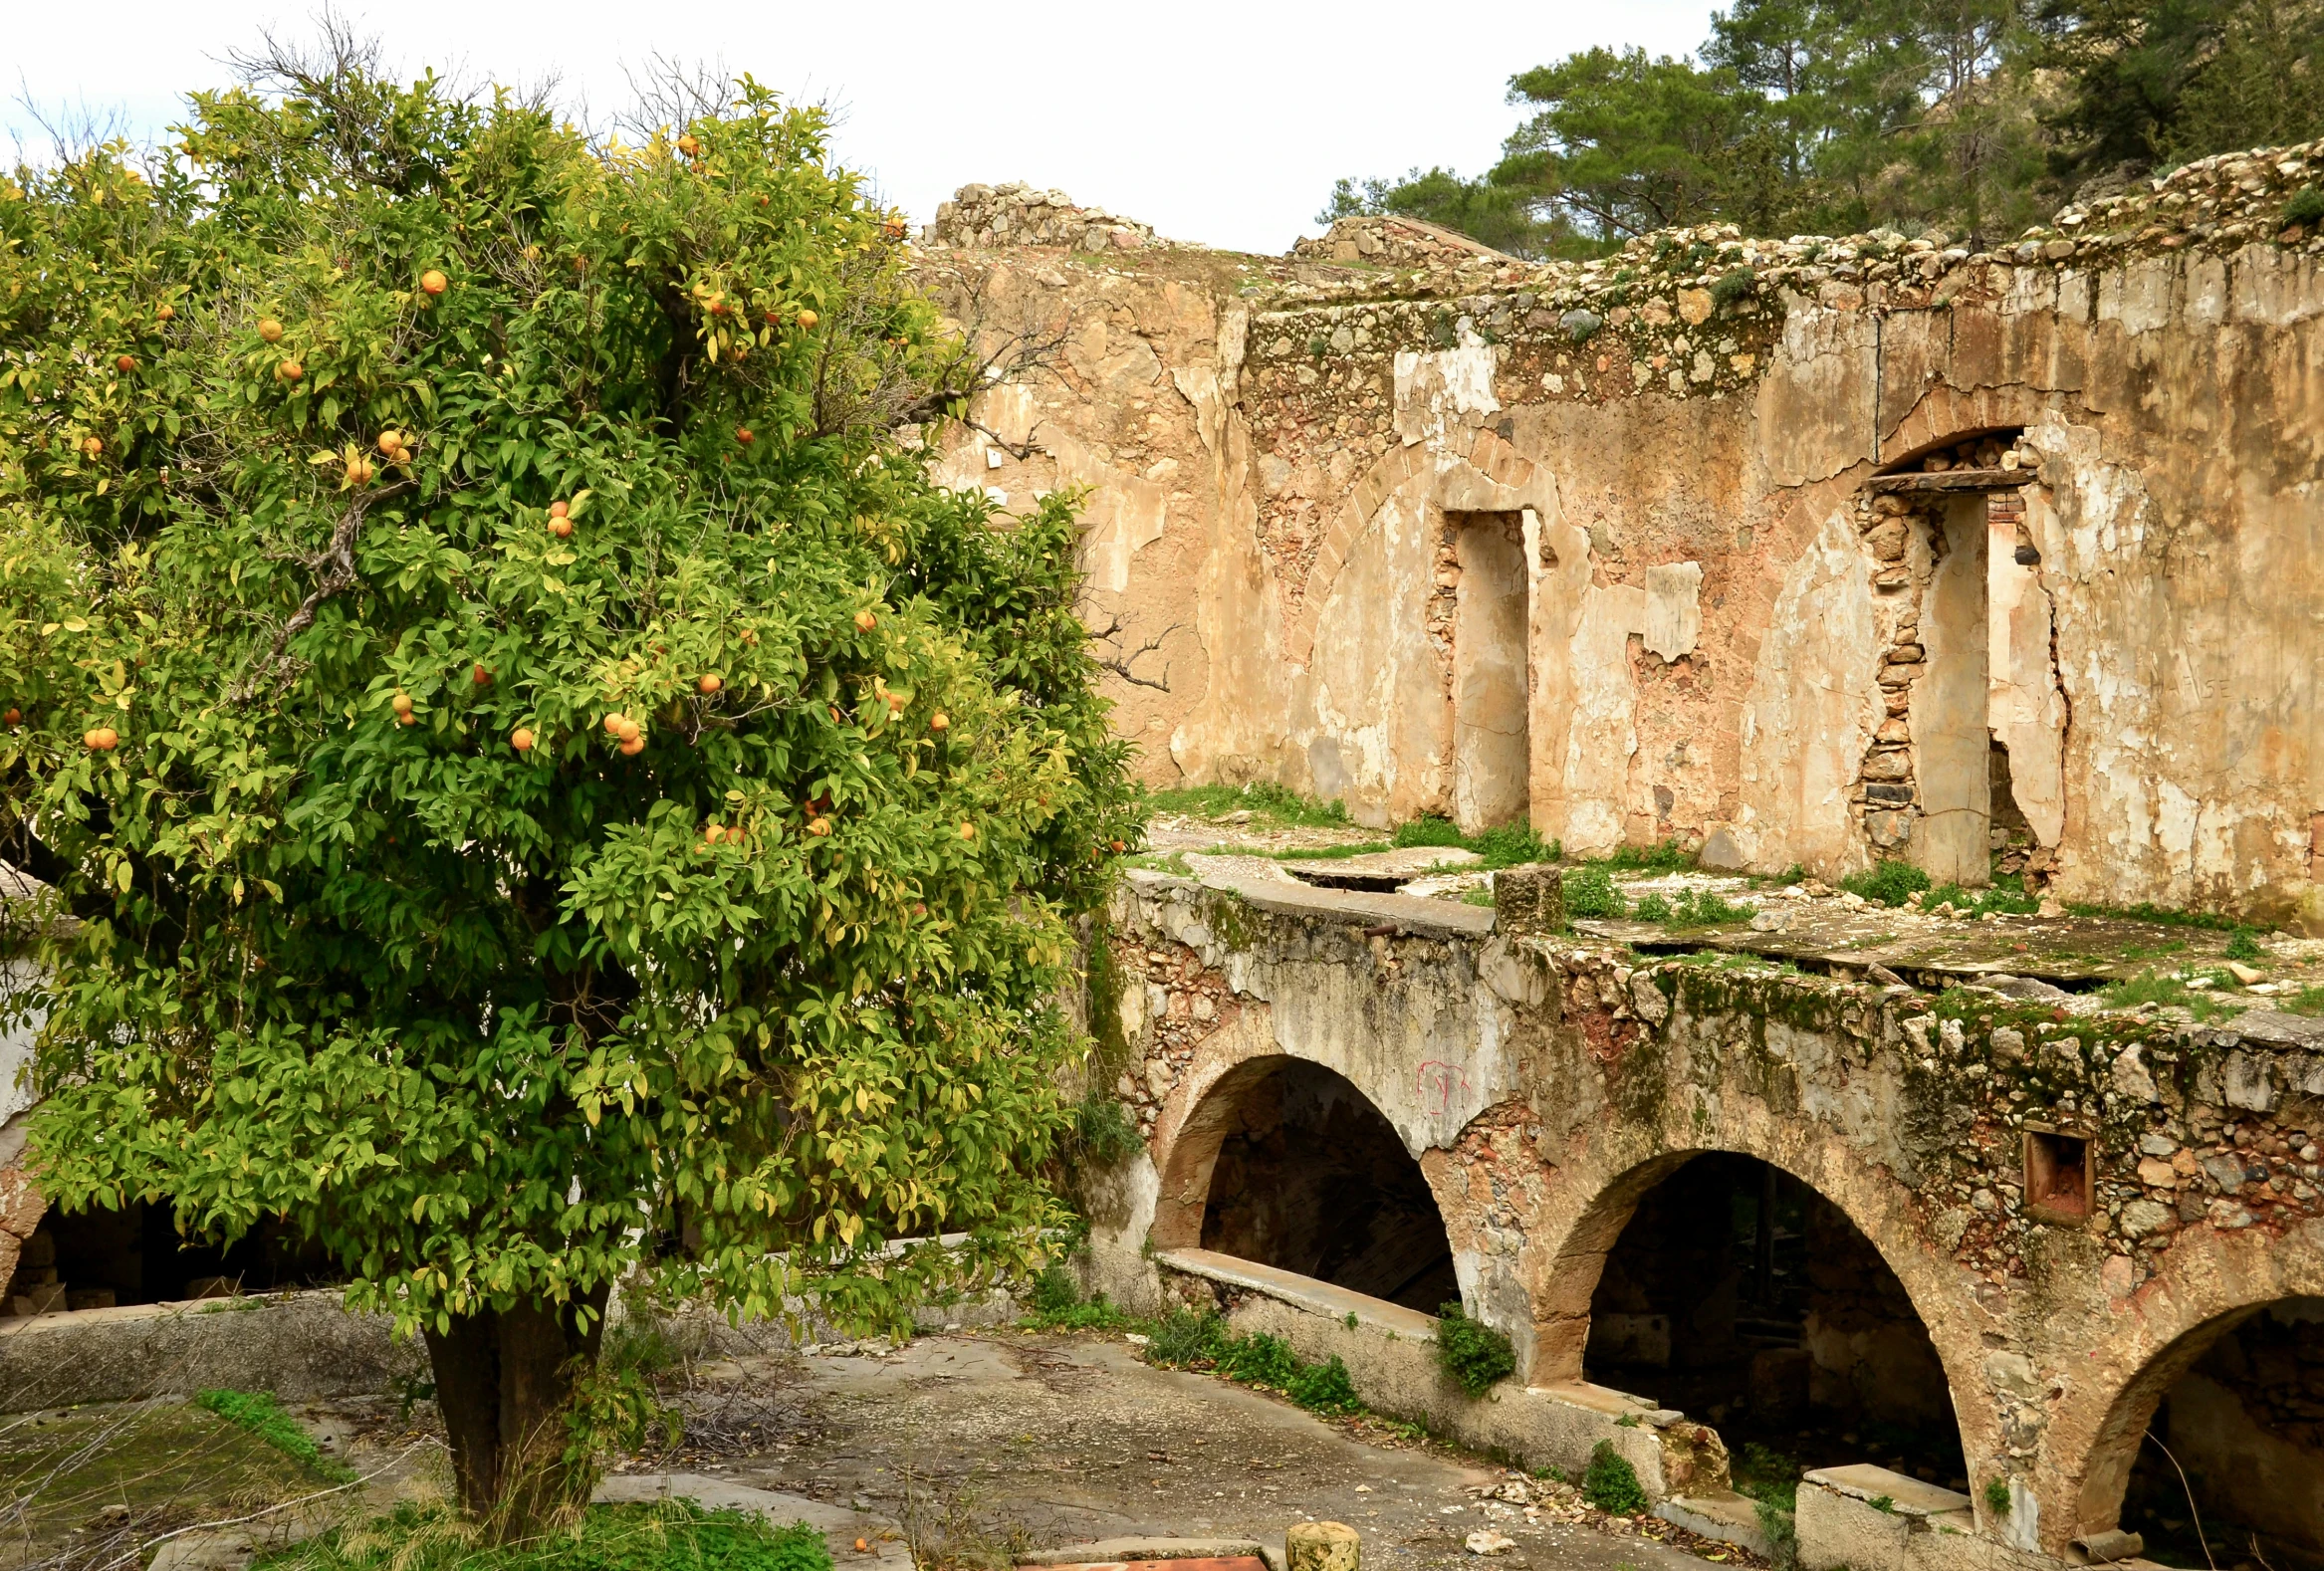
(535, 780)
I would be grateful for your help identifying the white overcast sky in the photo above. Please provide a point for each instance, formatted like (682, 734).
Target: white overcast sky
(1219, 123)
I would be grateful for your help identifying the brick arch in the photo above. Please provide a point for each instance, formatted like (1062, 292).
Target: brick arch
(1485, 474)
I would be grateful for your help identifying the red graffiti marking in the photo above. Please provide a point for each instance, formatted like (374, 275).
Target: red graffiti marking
(1438, 1083)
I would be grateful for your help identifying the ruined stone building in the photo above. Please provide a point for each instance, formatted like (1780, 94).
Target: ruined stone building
(1806, 553)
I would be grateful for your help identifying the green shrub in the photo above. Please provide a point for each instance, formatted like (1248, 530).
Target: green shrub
(1427, 831)
(1733, 286)
(2305, 207)
(1325, 1388)
(673, 1536)
(1997, 1495)
(1053, 1291)
(1103, 1131)
(2245, 945)
(1653, 908)
(1887, 884)
(1590, 892)
(1611, 1483)
(1703, 907)
(1261, 1360)
(1185, 1337)
(1668, 856)
(1262, 799)
(1781, 1530)
(1977, 902)
(257, 1413)
(1511, 845)
(1472, 1352)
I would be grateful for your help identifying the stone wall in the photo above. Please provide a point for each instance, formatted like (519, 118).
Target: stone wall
(1689, 436)
(1546, 1085)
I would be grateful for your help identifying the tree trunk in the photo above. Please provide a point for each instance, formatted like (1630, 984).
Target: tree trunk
(505, 1381)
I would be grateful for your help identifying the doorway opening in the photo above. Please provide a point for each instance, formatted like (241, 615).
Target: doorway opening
(1492, 748)
(1311, 1178)
(1740, 1295)
(100, 1260)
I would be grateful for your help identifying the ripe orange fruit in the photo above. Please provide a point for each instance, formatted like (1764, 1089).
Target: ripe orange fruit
(434, 282)
(91, 446)
(561, 528)
(559, 509)
(400, 703)
(631, 747)
(711, 682)
(819, 827)
(714, 832)
(407, 720)
(522, 739)
(481, 677)
(1119, 847)
(629, 730)
(270, 329)
(613, 722)
(12, 717)
(866, 622)
(289, 370)
(939, 722)
(164, 313)
(104, 739)
(125, 364)
(688, 145)
(808, 319)
(862, 1546)
(968, 831)
(745, 435)
(361, 471)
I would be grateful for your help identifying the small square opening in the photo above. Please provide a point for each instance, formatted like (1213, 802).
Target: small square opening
(2058, 1176)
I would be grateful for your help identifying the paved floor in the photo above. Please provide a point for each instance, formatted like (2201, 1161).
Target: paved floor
(983, 1447)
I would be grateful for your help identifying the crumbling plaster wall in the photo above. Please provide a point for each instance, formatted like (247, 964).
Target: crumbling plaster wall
(1546, 1084)
(1274, 446)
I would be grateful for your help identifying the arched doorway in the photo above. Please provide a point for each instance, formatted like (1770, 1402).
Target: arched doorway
(1307, 1176)
(2229, 1468)
(1742, 1296)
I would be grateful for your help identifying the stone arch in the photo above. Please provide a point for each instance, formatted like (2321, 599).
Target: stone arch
(1385, 1233)
(1564, 1288)
(1487, 475)
(2217, 1282)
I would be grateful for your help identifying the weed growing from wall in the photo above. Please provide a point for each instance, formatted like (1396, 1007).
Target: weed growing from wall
(1472, 1352)
(1611, 1483)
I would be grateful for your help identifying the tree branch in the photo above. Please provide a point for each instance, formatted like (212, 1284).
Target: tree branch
(1123, 664)
(336, 564)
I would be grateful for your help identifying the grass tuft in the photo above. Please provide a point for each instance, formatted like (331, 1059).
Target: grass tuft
(259, 1413)
(1888, 884)
(672, 1535)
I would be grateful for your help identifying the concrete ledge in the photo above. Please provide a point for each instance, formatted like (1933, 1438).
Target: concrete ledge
(1868, 1519)
(1729, 1517)
(299, 1346)
(1391, 1359)
(1302, 1292)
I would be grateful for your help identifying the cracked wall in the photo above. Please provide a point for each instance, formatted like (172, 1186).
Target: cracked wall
(1686, 432)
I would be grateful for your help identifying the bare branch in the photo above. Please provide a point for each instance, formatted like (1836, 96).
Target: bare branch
(1122, 662)
(337, 564)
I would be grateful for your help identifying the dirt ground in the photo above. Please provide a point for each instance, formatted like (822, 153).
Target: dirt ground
(983, 1446)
